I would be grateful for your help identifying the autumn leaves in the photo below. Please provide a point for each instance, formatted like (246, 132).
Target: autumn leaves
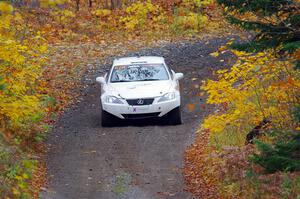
(258, 86)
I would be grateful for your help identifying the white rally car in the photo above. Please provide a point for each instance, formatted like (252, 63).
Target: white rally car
(140, 88)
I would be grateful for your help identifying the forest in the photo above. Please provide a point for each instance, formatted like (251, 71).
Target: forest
(247, 147)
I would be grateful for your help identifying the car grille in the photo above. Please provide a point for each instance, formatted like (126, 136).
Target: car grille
(140, 102)
(141, 116)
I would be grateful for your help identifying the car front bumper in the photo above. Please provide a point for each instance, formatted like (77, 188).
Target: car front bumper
(156, 109)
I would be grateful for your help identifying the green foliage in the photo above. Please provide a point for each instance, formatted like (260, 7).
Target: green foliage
(48, 101)
(297, 64)
(286, 186)
(275, 22)
(283, 156)
(39, 137)
(296, 113)
(292, 46)
(15, 173)
(263, 7)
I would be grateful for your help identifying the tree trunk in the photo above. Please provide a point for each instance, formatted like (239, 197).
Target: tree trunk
(115, 4)
(77, 4)
(256, 131)
(18, 3)
(35, 4)
(106, 4)
(119, 4)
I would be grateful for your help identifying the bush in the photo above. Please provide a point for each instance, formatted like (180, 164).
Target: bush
(52, 3)
(191, 21)
(16, 172)
(296, 113)
(196, 4)
(21, 60)
(143, 14)
(63, 17)
(102, 13)
(283, 156)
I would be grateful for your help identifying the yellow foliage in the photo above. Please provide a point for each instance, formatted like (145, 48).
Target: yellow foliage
(142, 14)
(196, 3)
(258, 86)
(5, 8)
(52, 3)
(215, 54)
(20, 69)
(102, 13)
(191, 21)
(63, 16)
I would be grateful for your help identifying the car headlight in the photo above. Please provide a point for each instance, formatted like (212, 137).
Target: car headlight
(167, 97)
(113, 100)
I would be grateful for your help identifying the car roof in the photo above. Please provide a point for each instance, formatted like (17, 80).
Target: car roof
(137, 60)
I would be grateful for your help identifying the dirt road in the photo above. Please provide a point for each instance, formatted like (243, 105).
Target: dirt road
(132, 161)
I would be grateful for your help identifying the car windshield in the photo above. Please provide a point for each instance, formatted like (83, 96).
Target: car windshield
(139, 72)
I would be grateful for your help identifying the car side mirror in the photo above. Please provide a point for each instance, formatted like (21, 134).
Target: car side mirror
(100, 80)
(178, 76)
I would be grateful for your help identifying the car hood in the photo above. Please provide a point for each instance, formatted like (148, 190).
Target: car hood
(134, 90)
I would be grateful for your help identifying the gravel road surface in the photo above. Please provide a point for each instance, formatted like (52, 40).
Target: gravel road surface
(134, 160)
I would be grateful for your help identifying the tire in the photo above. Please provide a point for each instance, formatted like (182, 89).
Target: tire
(174, 116)
(107, 119)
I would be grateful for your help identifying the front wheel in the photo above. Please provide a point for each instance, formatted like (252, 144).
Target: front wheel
(107, 120)
(174, 116)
